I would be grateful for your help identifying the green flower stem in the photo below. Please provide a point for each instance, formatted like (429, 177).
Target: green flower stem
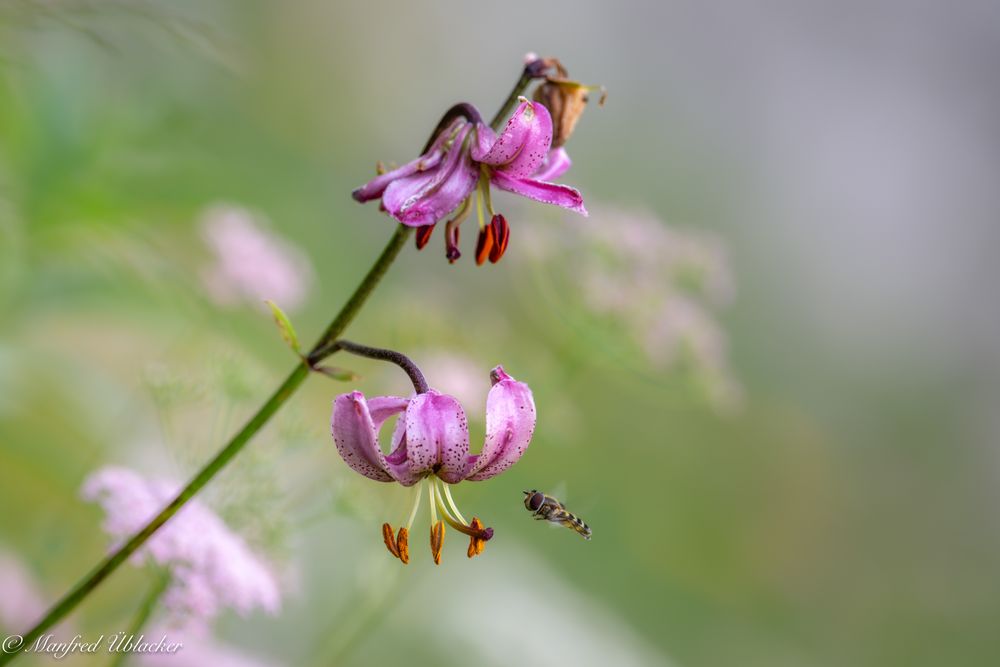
(142, 616)
(533, 70)
(321, 349)
(233, 447)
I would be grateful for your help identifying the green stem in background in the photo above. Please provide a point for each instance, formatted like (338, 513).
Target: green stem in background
(238, 441)
(142, 616)
(91, 581)
(534, 70)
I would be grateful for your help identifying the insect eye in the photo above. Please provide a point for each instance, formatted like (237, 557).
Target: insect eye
(536, 501)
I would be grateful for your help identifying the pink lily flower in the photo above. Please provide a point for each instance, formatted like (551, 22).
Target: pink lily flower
(462, 162)
(430, 446)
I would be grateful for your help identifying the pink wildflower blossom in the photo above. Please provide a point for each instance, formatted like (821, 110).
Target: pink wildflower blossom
(251, 263)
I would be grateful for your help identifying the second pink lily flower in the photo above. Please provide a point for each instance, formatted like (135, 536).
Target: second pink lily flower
(461, 164)
(431, 442)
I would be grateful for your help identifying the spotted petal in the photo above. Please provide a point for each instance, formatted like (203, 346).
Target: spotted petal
(555, 165)
(524, 143)
(547, 193)
(355, 424)
(510, 423)
(375, 187)
(427, 197)
(484, 139)
(437, 436)
(397, 462)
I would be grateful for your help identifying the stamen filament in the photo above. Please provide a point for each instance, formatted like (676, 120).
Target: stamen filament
(463, 210)
(416, 505)
(457, 524)
(430, 495)
(479, 205)
(440, 503)
(451, 503)
(484, 185)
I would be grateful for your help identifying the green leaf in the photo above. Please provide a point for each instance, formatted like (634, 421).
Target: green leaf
(285, 327)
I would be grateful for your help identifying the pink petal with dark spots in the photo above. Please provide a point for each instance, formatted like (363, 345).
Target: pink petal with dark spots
(427, 197)
(536, 145)
(547, 193)
(437, 436)
(484, 139)
(509, 143)
(510, 423)
(557, 164)
(398, 461)
(524, 143)
(355, 432)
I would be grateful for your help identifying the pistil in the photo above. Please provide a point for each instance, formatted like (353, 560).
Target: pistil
(478, 534)
(451, 230)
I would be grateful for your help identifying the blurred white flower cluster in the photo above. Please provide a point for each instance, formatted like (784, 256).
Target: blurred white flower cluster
(251, 264)
(210, 566)
(663, 285)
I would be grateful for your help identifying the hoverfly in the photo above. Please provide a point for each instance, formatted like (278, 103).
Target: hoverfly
(546, 507)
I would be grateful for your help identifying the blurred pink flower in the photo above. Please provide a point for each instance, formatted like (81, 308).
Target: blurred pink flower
(458, 375)
(251, 263)
(664, 285)
(211, 566)
(21, 602)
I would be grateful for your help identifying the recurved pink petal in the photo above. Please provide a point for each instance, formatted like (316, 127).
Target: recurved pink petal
(398, 462)
(547, 193)
(508, 144)
(484, 140)
(437, 436)
(536, 147)
(524, 143)
(383, 407)
(510, 423)
(427, 197)
(356, 434)
(555, 165)
(375, 187)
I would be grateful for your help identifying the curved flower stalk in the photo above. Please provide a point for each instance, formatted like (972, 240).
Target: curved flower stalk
(210, 566)
(467, 157)
(430, 447)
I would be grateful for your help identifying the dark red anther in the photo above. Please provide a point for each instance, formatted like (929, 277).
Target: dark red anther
(501, 234)
(423, 235)
(484, 245)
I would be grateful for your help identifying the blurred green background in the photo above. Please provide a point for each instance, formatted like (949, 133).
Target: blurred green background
(845, 154)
